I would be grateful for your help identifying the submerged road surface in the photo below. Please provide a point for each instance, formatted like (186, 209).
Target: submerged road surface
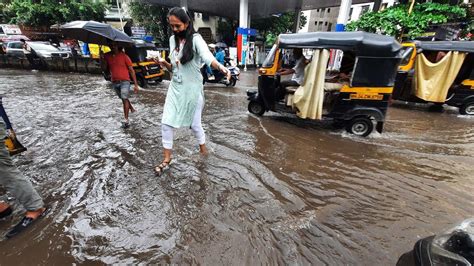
(274, 189)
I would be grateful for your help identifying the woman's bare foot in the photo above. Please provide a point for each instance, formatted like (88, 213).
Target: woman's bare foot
(203, 149)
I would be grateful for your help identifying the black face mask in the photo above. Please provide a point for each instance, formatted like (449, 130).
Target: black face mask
(180, 34)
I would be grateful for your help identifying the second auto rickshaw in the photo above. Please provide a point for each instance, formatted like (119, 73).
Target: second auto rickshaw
(357, 104)
(438, 72)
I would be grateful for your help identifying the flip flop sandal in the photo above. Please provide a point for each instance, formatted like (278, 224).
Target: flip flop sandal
(163, 166)
(24, 224)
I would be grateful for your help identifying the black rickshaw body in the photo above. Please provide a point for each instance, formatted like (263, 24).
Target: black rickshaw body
(146, 70)
(461, 92)
(368, 94)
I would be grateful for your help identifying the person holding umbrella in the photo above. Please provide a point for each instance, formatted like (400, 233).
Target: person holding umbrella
(185, 97)
(118, 63)
(121, 69)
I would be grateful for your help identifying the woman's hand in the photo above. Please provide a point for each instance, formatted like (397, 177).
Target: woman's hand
(225, 71)
(162, 62)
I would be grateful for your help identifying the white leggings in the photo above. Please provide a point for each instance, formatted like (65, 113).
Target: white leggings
(167, 132)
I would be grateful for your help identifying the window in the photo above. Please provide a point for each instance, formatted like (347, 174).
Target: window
(268, 62)
(112, 3)
(329, 26)
(325, 23)
(329, 10)
(384, 6)
(365, 9)
(406, 55)
(350, 12)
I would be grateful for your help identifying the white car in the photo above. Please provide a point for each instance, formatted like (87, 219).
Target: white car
(14, 49)
(47, 51)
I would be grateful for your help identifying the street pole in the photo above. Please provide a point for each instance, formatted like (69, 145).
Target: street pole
(343, 16)
(184, 4)
(411, 7)
(120, 15)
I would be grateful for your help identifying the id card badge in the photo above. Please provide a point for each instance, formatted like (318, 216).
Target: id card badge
(177, 74)
(177, 77)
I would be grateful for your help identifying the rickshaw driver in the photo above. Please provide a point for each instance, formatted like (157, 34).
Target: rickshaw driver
(297, 71)
(335, 83)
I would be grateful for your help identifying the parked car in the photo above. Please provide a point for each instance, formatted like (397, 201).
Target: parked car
(14, 49)
(47, 51)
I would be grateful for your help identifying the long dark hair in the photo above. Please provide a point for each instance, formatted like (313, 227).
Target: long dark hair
(184, 17)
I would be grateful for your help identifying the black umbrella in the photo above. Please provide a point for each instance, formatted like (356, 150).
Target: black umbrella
(95, 32)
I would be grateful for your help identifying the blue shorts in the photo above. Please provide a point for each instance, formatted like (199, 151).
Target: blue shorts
(122, 89)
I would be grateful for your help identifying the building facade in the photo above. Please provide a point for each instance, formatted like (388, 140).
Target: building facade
(325, 19)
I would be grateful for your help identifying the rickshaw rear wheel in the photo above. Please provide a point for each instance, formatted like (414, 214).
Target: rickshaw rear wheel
(467, 108)
(256, 108)
(360, 126)
(142, 82)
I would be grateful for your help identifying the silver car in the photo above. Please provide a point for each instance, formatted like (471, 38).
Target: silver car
(14, 49)
(47, 51)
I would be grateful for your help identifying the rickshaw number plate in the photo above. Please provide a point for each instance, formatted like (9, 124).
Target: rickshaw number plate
(376, 97)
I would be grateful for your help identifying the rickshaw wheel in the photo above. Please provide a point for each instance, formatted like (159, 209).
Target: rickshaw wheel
(256, 108)
(360, 126)
(142, 81)
(467, 108)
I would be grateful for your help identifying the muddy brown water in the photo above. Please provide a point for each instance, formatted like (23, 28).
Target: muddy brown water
(274, 190)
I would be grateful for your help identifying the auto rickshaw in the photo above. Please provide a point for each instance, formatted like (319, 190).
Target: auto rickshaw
(358, 104)
(146, 70)
(438, 72)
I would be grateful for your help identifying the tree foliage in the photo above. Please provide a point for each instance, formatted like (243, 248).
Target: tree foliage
(395, 20)
(154, 19)
(271, 27)
(50, 12)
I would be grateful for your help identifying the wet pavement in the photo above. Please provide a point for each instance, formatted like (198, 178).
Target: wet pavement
(274, 190)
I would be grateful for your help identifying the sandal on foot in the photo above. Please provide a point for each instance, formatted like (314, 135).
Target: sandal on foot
(24, 224)
(163, 166)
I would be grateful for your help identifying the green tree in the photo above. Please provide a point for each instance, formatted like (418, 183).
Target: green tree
(154, 19)
(50, 12)
(271, 27)
(395, 20)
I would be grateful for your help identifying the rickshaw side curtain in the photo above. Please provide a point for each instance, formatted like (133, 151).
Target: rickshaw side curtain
(308, 98)
(433, 80)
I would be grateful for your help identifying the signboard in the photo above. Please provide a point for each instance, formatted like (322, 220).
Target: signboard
(447, 33)
(242, 43)
(138, 31)
(10, 29)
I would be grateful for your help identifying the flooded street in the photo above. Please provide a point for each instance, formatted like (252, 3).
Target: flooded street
(273, 190)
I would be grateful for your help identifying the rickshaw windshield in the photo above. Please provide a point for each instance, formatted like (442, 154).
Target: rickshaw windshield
(406, 55)
(268, 62)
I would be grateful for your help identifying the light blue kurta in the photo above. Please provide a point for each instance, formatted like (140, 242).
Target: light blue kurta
(186, 84)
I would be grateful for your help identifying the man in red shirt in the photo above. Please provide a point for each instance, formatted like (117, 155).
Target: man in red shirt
(121, 69)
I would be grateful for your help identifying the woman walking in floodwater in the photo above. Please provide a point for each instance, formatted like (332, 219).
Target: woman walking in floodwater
(185, 97)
